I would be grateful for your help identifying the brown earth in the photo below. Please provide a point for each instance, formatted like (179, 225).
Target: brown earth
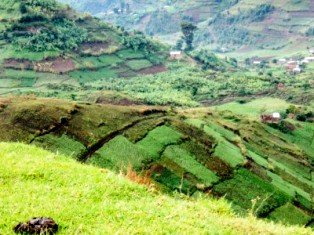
(56, 65)
(18, 64)
(94, 48)
(122, 101)
(153, 70)
(53, 65)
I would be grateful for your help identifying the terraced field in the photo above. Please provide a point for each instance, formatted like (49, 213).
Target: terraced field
(257, 168)
(101, 55)
(241, 28)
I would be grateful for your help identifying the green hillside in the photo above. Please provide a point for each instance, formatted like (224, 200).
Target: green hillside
(203, 151)
(243, 28)
(105, 203)
(44, 44)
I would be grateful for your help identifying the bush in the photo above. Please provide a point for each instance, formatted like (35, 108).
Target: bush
(209, 60)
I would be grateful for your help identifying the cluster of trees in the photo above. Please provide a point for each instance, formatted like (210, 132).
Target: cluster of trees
(229, 33)
(161, 22)
(257, 14)
(188, 30)
(310, 32)
(138, 42)
(61, 35)
(43, 5)
(209, 60)
(300, 113)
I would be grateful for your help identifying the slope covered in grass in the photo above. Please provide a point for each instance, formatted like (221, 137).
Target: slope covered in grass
(190, 151)
(88, 200)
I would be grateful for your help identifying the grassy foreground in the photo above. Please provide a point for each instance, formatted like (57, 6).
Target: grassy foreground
(88, 200)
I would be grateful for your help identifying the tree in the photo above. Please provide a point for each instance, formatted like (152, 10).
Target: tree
(179, 44)
(188, 30)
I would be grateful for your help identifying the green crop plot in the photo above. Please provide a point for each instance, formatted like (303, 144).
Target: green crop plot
(224, 150)
(289, 214)
(157, 139)
(90, 75)
(188, 162)
(137, 65)
(245, 187)
(130, 54)
(258, 159)
(60, 144)
(119, 153)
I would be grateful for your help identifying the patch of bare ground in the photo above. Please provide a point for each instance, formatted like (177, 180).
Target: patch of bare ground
(94, 48)
(55, 65)
(17, 64)
(52, 65)
(153, 70)
(121, 102)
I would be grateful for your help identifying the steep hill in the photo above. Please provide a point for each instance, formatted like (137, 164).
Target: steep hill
(45, 43)
(250, 28)
(85, 199)
(260, 168)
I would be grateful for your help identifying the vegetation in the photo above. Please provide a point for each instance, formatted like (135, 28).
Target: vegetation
(57, 187)
(262, 168)
(188, 34)
(227, 25)
(189, 151)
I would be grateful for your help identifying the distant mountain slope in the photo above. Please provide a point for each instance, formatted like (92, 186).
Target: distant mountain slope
(274, 26)
(85, 199)
(42, 40)
(201, 151)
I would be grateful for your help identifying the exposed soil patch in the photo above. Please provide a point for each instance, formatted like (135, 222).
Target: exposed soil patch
(122, 102)
(37, 226)
(55, 65)
(153, 70)
(52, 65)
(94, 48)
(18, 64)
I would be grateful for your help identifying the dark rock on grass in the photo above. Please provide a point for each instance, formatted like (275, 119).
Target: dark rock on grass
(39, 225)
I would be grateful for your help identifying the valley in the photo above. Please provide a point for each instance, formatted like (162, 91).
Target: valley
(223, 129)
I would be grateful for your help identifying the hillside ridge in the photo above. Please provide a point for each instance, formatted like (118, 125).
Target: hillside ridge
(200, 151)
(104, 202)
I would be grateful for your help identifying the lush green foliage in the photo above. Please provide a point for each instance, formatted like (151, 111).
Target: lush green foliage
(208, 59)
(104, 203)
(188, 29)
(65, 36)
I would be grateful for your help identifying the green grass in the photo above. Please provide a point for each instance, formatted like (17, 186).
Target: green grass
(137, 65)
(255, 107)
(60, 144)
(88, 200)
(119, 153)
(95, 62)
(90, 75)
(130, 54)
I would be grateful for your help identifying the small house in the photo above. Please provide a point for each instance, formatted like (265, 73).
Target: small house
(310, 59)
(282, 61)
(176, 55)
(297, 69)
(311, 51)
(256, 62)
(271, 118)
